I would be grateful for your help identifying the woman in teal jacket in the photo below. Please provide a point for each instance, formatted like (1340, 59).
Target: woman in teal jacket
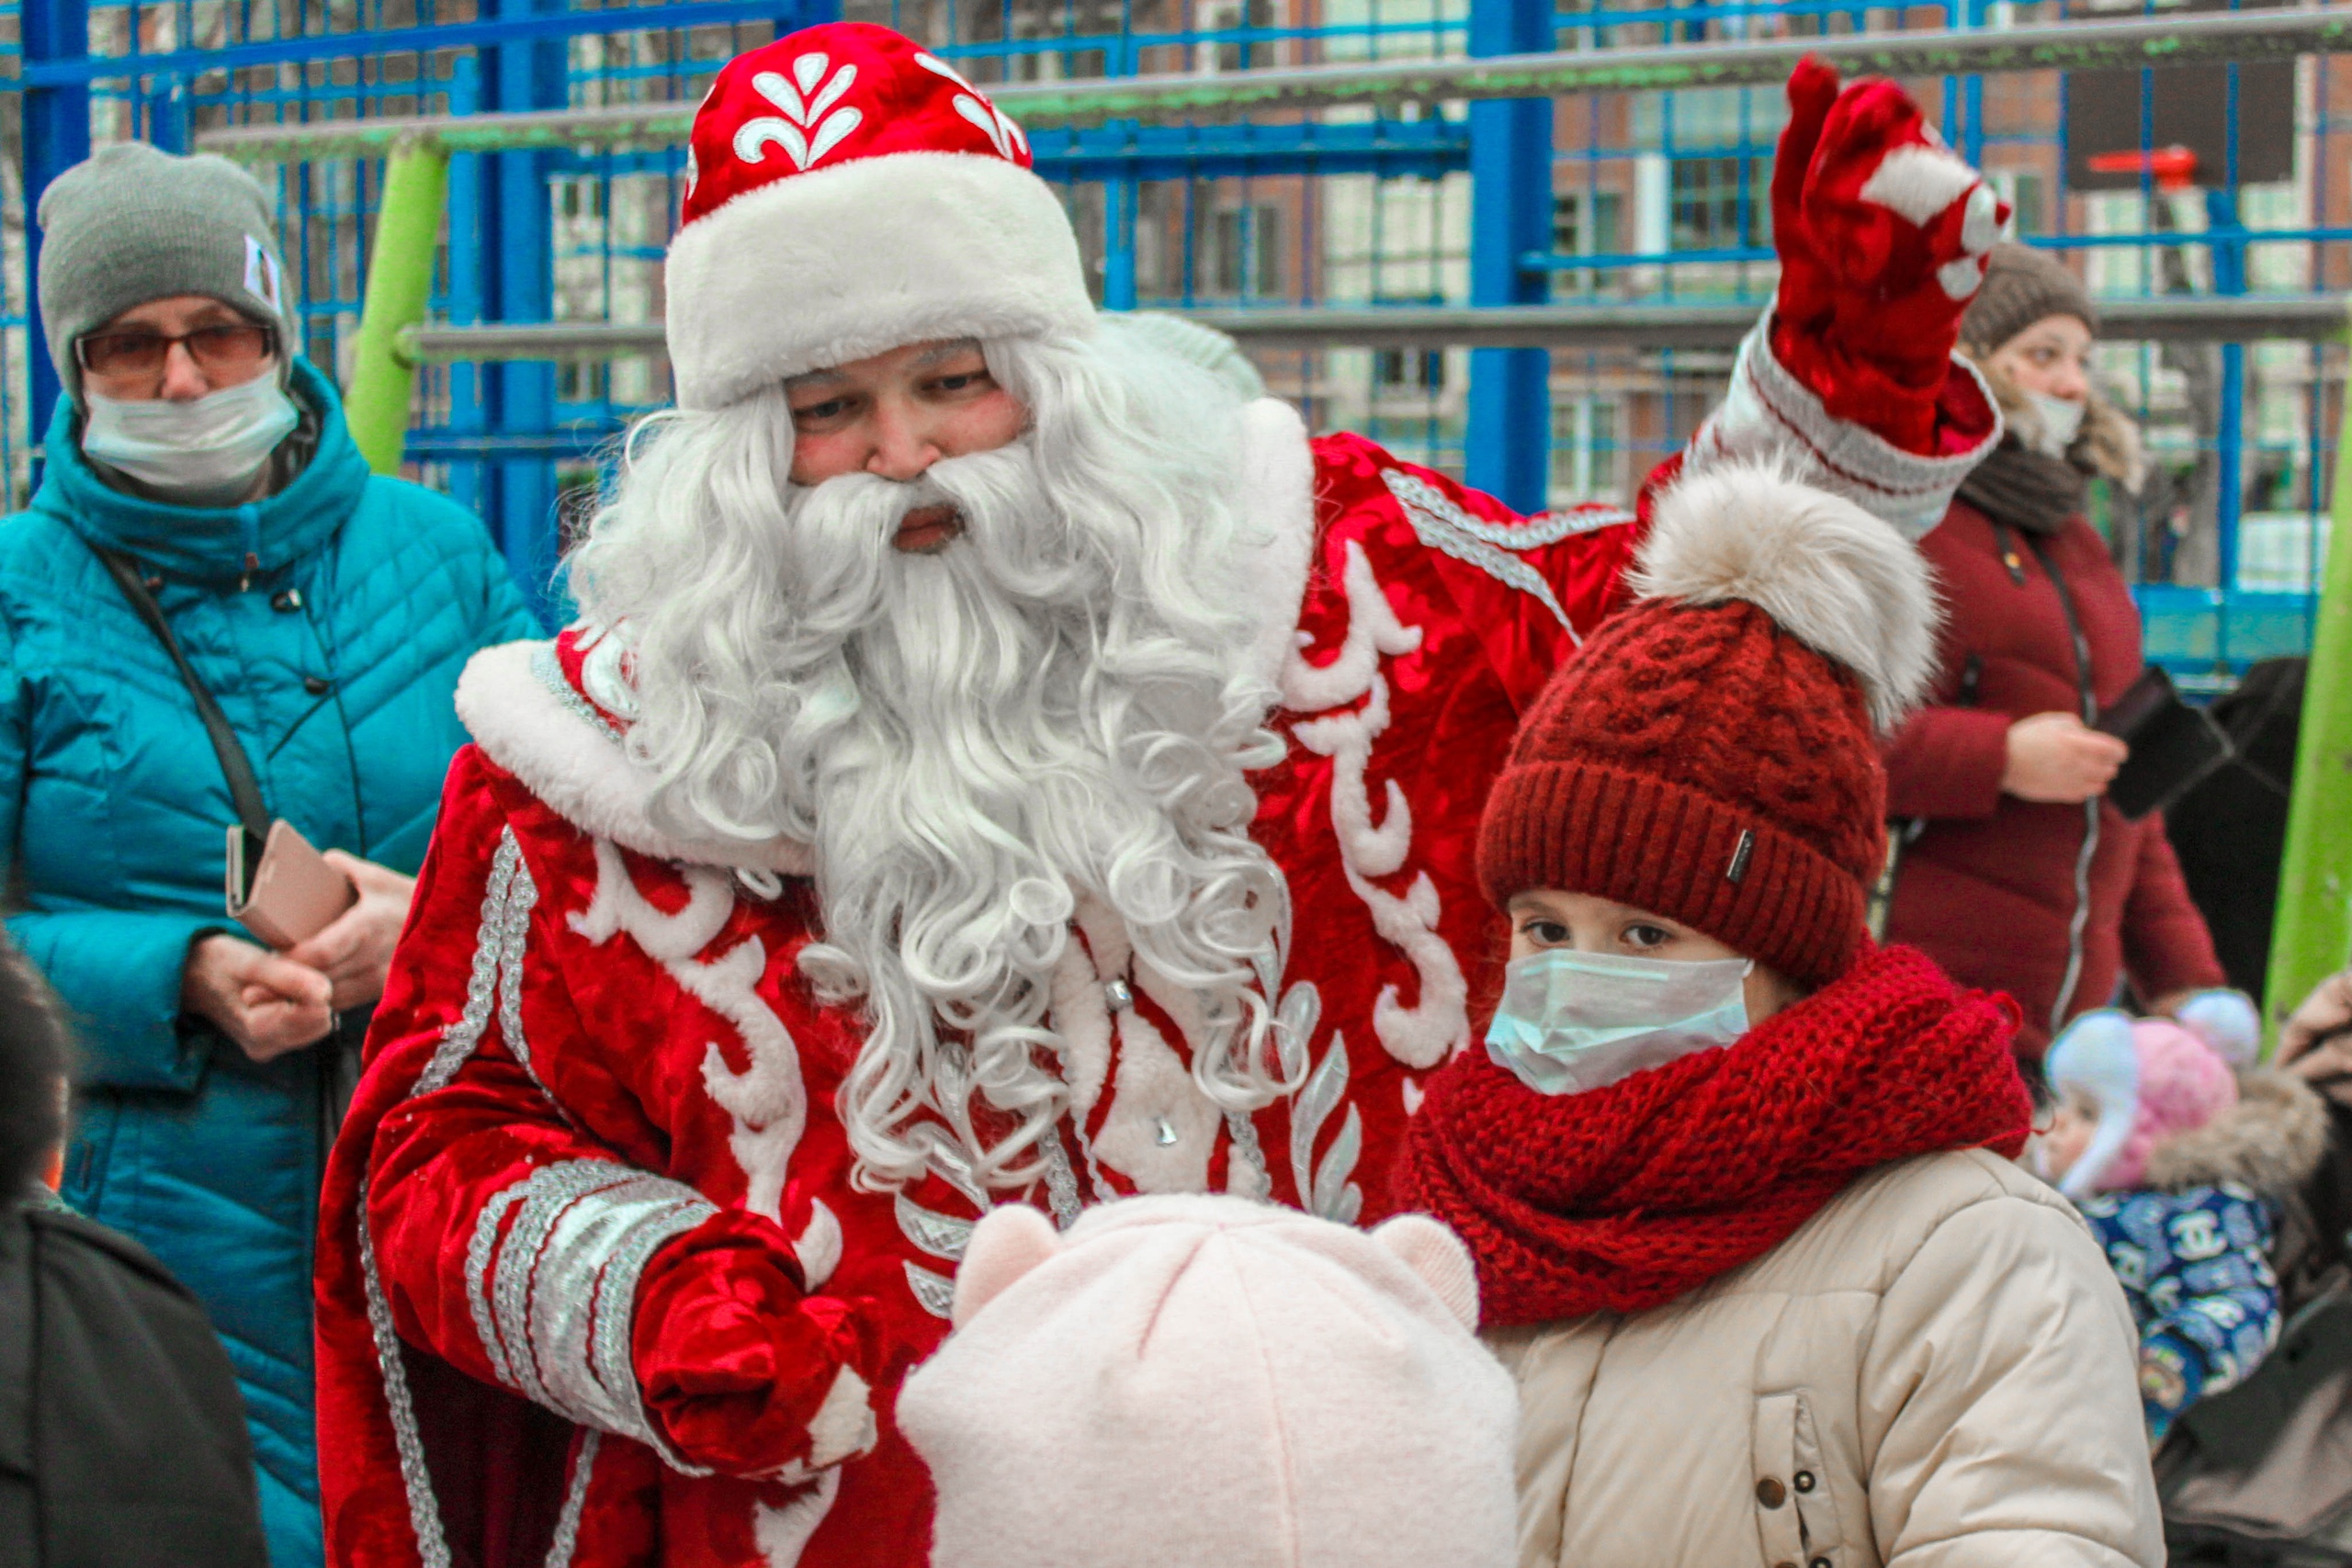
(328, 611)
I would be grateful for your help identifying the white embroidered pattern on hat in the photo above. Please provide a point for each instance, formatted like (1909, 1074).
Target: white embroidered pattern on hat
(975, 106)
(806, 132)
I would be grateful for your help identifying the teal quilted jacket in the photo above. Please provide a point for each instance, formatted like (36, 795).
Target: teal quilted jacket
(330, 622)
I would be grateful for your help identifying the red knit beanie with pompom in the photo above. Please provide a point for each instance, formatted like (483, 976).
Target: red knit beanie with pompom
(1711, 754)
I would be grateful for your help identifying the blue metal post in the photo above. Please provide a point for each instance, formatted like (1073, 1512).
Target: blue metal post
(1119, 244)
(57, 136)
(467, 481)
(517, 231)
(1508, 454)
(2229, 277)
(1120, 198)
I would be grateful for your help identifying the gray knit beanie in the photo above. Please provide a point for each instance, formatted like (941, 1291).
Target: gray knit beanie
(2021, 286)
(131, 223)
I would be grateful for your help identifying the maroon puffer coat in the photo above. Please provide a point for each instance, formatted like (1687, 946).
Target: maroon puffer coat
(2049, 903)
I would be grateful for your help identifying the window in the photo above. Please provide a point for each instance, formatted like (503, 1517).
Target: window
(1711, 208)
(1409, 370)
(1234, 15)
(2024, 195)
(1573, 236)
(1588, 454)
(1245, 252)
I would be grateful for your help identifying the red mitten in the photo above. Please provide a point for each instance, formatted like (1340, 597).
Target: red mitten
(1883, 233)
(739, 1369)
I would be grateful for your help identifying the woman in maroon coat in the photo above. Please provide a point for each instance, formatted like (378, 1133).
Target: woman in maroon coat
(2016, 874)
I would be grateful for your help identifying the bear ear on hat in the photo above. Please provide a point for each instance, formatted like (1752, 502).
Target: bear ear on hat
(1436, 1255)
(1007, 1244)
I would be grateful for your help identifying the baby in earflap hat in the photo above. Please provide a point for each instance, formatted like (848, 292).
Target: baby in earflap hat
(1739, 1183)
(1208, 1383)
(2180, 1152)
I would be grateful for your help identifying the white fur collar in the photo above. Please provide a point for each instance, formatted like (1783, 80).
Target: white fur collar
(570, 761)
(565, 755)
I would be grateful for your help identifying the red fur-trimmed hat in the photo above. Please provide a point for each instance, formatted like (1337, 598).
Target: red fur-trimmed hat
(1711, 754)
(847, 193)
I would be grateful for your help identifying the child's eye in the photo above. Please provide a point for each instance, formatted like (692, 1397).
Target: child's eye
(1547, 933)
(1643, 935)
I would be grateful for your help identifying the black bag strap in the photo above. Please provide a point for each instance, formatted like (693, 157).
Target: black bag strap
(2083, 685)
(243, 789)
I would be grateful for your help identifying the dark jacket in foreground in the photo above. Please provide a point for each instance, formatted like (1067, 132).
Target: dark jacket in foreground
(122, 1437)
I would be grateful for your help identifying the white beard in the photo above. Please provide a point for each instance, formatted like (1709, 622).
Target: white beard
(1057, 706)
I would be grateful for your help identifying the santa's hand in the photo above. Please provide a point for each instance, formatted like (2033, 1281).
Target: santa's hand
(1883, 233)
(740, 1370)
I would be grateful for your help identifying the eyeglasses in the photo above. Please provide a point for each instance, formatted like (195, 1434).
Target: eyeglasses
(226, 346)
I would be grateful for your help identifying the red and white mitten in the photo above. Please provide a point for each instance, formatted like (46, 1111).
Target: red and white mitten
(740, 1370)
(1883, 233)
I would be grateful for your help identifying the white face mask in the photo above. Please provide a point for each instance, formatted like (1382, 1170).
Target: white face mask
(210, 448)
(2062, 420)
(1571, 1023)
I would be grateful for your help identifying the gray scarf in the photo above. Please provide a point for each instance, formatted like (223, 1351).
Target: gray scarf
(2024, 489)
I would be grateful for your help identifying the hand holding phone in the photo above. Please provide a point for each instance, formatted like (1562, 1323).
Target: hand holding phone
(288, 891)
(355, 951)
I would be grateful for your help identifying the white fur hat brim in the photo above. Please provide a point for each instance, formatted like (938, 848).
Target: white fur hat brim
(843, 263)
(1831, 575)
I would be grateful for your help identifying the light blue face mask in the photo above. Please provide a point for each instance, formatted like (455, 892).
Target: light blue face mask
(1571, 1023)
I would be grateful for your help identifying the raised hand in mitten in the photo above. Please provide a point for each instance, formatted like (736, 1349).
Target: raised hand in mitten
(740, 1370)
(1883, 233)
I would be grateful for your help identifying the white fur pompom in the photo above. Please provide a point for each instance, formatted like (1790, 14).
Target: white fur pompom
(1834, 578)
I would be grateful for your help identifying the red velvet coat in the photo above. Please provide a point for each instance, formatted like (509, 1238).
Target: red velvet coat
(1989, 888)
(594, 1163)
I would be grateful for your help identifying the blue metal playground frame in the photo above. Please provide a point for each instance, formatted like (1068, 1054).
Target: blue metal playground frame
(496, 435)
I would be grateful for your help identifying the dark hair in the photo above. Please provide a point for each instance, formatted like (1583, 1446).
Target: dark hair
(33, 1045)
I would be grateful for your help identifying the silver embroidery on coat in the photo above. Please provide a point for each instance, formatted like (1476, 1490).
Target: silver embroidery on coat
(459, 1043)
(1246, 1149)
(513, 934)
(1062, 1184)
(423, 1516)
(1443, 525)
(575, 1498)
(564, 1281)
(935, 1293)
(460, 1038)
(1324, 1189)
(941, 1235)
(478, 1252)
(549, 670)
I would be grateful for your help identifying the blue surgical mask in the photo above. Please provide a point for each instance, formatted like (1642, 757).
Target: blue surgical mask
(1571, 1023)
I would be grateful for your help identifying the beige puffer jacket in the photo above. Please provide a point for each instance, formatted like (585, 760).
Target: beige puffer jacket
(1937, 1369)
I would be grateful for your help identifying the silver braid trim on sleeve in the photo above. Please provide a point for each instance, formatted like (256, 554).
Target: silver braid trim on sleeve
(557, 1292)
(1769, 413)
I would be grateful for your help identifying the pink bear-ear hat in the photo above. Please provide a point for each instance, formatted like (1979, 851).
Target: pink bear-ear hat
(1182, 1379)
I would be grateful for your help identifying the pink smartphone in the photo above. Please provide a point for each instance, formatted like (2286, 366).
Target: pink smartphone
(290, 893)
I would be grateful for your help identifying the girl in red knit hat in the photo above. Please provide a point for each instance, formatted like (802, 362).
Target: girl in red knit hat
(1738, 1182)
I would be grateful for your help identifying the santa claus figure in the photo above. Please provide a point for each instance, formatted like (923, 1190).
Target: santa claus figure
(995, 764)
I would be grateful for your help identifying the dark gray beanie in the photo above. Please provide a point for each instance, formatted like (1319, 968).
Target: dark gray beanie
(131, 223)
(2021, 286)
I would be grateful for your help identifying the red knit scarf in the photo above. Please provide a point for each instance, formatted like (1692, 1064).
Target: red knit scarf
(1624, 1198)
